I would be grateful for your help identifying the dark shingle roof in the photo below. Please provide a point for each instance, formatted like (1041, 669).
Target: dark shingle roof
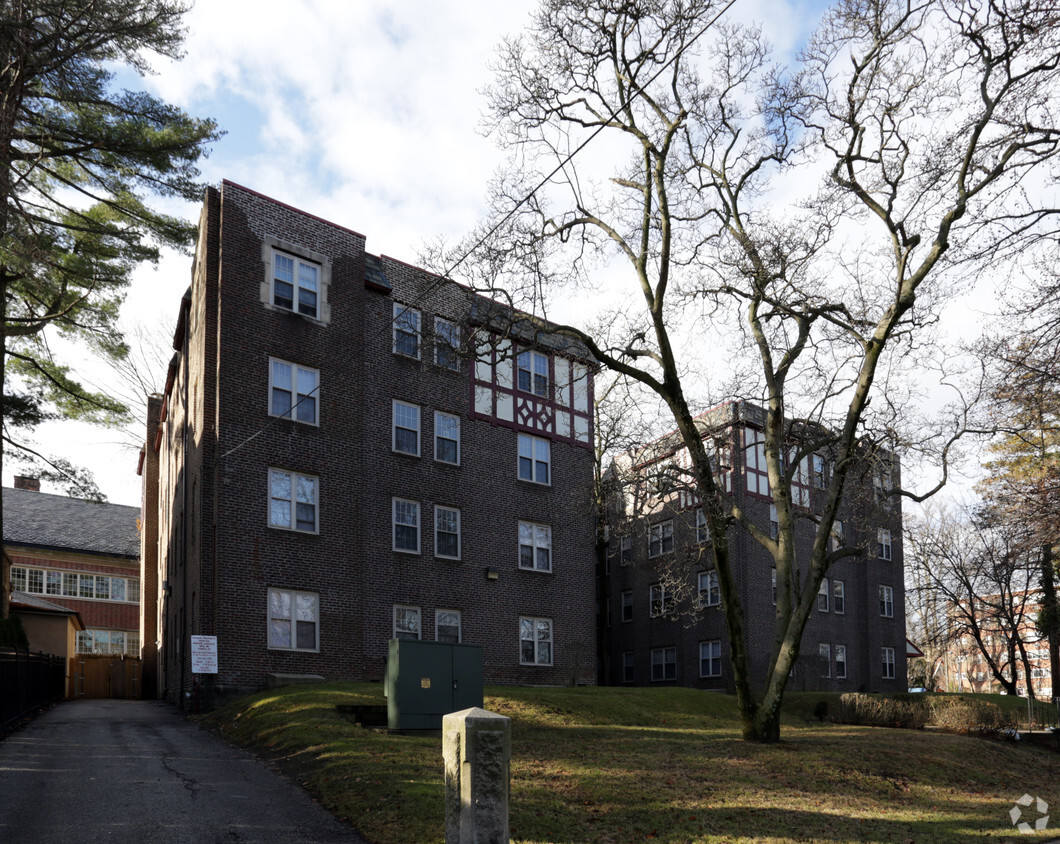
(72, 524)
(35, 602)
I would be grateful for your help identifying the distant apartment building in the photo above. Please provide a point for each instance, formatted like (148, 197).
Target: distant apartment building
(661, 620)
(71, 557)
(350, 449)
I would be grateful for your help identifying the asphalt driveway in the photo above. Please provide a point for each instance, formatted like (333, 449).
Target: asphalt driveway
(137, 771)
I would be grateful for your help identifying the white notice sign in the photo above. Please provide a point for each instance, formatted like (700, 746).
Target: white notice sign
(204, 654)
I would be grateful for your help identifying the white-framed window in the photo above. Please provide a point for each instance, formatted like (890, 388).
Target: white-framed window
(533, 373)
(710, 658)
(841, 661)
(406, 428)
(406, 622)
(406, 331)
(625, 550)
(883, 541)
(294, 279)
(292, 501)
(293, 391)
(882, 484)
(95, 641)
(709, 590)
(406, 526)
(817, 470)
(824, 655)
(837, 535)
(774, 579)
(822, 596)
(660, 602)
(839, 597)
(663, 664)
(627, 605)
(294, 620)
(627, 667)
(446, 438)
(886, 601)
(887, 655)
(447, 532)
(661, 538)
(446, 344)
(702, 534)
(774, 522)
(447, 626)
(535, 546)
(535, 459)
(68, 584)
(535, 641)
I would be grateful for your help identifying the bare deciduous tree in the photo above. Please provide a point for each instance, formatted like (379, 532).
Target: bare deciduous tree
(814, 223)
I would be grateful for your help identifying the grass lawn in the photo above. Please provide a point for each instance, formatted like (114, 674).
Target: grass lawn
(618, 765)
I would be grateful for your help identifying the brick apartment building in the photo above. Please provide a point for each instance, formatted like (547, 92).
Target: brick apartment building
(662, 621)
(78, 556)
(330, 467)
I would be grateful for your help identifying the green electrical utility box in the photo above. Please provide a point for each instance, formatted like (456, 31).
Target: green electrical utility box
(426, 680)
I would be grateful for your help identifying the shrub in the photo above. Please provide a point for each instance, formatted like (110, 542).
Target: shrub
(12, 634)
(820, 710)
(968, 716)
(880, 711)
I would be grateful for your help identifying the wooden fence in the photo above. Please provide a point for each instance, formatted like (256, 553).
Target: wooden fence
(105, 676)
(28, 681)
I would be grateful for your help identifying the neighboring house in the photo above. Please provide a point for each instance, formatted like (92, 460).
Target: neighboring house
(80, 557)
(50, 628)
(350, 449)
(662, 621)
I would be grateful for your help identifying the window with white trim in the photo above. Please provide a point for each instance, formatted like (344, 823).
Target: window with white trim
(774, 579)
(710, 658)
(774, 522)
(661, 538)
(406, 428)
(292, 501)
(839, 602)
(535, 547)
(67, 584)
(824, 657)
(660, 602)
(627, 605)
(754, 458)
(447, 438)
(446, 344)
(883, 541)
(886, 601)
(702, 534)
(841, 661)
(817, 470)
(447, 626)
(447, 532)
(709, 590)
(406, 526)
(535, 641)
(535, 459)
(837, 535)
(822, 596)
(627, 667)
(625, 550)
(96, 641)
(406, 331)
(887, 655)
(406, 622)
(293, 391)
(291, 274)
(294, 620)
(663, 664)
(532, 370)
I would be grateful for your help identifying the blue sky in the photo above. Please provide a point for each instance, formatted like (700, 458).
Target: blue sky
(362, 113)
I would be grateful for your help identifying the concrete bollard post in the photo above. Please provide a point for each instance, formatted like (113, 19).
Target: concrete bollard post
(477, 746)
